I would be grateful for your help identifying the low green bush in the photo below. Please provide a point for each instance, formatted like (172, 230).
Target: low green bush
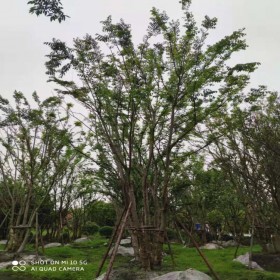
(171, 234)
(65, 236)
(90, 228)
(106, 231)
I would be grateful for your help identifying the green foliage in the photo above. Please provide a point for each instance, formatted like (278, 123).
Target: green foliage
(50, 8)
(207, 196)
(215, 218)
(90, 228)
(172, 85)
(37, 161)
(65, 236)
(247, 156)
(148, 104)
(171, 234)
(106, 231)
(101, 212)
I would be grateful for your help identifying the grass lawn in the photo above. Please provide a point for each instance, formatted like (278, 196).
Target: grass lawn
(89, 254)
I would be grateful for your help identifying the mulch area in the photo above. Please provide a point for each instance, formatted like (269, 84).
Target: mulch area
(269, 262)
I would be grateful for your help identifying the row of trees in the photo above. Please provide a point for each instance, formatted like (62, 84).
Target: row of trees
(35, 159)
(42, 171)
(248, 153)
(232, 191)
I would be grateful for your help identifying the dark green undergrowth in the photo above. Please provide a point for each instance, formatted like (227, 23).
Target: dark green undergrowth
(89, 254)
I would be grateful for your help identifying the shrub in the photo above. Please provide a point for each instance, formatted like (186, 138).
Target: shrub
(171, 234)
(102, 213)
(90, 228)
(65, 236)
(106, 231)
(215, 218)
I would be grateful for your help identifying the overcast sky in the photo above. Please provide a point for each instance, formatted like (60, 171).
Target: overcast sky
(22, 52)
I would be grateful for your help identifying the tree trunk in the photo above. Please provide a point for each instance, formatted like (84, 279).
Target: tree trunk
(150, 247)
(14, 240)
(24, 241)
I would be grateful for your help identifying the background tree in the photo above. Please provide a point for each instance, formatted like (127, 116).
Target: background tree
(248, 154)
(65, 193)
(204, 195)
(102, 213)
(33, 159)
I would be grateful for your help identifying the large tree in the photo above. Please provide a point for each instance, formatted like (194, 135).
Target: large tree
(146, 105)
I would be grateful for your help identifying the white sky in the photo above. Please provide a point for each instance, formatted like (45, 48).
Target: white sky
(22, 35)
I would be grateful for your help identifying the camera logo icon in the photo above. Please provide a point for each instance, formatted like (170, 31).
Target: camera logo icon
(19, 265)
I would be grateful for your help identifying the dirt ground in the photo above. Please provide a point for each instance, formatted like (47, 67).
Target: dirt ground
(269, 262)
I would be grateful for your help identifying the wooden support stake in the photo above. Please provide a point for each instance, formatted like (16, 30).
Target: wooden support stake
(42, 241)
(199, 251)
(117, 243)
(251, 244)
(184, 242)
(37, 239)
(6, 216)
(170, 250)
(238, 240)
(110, 245)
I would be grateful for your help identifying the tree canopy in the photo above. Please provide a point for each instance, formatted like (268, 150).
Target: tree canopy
(147, 107)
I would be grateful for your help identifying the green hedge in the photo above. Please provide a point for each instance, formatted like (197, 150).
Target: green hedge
(90, 228)
(106, 231)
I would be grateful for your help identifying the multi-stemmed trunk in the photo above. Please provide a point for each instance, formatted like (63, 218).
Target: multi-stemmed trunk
(147, 239)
